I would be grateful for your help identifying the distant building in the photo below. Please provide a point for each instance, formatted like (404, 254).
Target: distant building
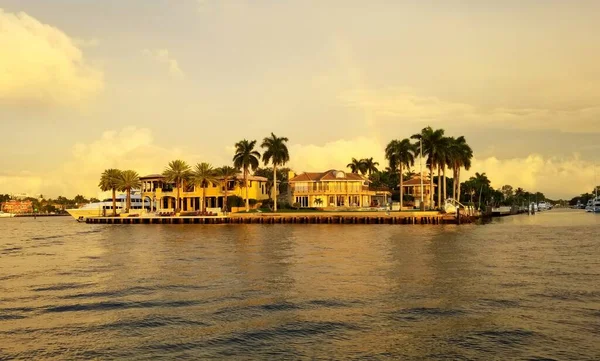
(17, 207)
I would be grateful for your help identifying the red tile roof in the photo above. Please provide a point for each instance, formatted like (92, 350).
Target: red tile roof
(414, 181)
(329, 175)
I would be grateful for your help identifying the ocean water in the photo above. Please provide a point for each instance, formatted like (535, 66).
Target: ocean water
(520, 288)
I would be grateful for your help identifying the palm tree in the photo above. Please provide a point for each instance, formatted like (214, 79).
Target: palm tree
(357, 166)
(369, 165)
(318, 201)
(246, 159)
(444, 157)
(226, 173)
(400, 153)
(202, 176)
(129, 180)
(109, 181)
(432, 144)
(277, 153)
(177, 172)
(460, 155)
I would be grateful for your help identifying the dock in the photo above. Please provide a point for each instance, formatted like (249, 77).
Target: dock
(295, 218)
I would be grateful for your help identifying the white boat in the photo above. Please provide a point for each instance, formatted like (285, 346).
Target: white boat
(501, 211)
(6, 215)
(543, 206)
(104, 208)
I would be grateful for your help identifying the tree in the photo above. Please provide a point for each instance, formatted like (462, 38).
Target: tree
(109, 181)
(318, 201)
(204, 174)
(433, 142)
(177, 171)
(246, 159)
(277, 153)
(129, 180)
(459, 155)
(79, 199)
(400, 153)
(357, 166)
(369, 165)
(226, 173)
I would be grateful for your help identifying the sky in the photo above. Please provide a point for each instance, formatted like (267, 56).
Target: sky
(96, 84)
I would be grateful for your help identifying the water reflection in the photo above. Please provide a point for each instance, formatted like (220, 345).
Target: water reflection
(521, 287)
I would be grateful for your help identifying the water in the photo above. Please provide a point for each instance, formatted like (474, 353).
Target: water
(522, 287)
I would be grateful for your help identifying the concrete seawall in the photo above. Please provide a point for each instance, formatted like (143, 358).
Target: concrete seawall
(294, 218)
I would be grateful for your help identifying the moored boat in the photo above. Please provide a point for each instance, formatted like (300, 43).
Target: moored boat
(105, 208)
(6, 215)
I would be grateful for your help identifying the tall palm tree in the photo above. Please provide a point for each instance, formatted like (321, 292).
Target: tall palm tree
(226, 173)
(400, 153)
(177, 171)
(369, 165)
(109, 181)
(246, 159)
(443, 158)
(129, 180)
(277, 153)
(432, 144)
(203, 175)
(460, 157)
(357, 166)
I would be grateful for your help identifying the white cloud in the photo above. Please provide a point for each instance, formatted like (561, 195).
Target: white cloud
(403, 104)
(162, 56)
(135, 148)
(129, 148)
(41, 65)
(334, 155)
(86, 43)
(556, 177)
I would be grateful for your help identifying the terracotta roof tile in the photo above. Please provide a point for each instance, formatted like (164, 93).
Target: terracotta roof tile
(329, 175)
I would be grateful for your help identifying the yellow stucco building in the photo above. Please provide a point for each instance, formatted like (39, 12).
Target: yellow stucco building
(335, 188)
(162, 194)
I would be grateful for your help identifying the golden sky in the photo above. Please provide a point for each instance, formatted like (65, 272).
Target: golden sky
(88, 85)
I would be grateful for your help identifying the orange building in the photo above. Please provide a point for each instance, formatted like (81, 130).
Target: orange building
(17, 207)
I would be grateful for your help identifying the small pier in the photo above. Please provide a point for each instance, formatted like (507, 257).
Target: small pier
(294, 218)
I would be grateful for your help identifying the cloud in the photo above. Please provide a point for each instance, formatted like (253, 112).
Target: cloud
(129, 148)
(135, 148)
(162, 56)
(41, 65)
(393, 104)
(335, 154)
(556, 177)
(86, 43)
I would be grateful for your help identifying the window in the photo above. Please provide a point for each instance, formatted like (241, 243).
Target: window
(303, 201)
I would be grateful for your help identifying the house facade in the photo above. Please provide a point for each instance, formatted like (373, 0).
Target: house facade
(335, 188)
(412, 187)
(17, 207)
(162, 194)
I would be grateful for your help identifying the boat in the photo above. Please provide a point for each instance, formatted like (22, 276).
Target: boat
(104, 208)
(543, 206)
(501, 211)
(6, 215)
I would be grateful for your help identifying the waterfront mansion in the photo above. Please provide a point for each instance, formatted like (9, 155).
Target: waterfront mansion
(335, 188)
(163, 194)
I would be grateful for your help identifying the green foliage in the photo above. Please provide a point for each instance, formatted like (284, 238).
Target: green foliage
(235, 201)
(276, 151)
(296, 205)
